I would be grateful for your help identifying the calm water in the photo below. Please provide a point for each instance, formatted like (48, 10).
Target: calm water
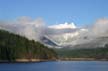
(56, 66)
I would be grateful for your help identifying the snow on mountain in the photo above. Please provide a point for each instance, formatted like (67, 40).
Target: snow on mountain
(64, 26)
(64, 34)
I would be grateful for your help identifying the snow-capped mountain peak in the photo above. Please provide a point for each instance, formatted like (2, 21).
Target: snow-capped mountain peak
(63, 26)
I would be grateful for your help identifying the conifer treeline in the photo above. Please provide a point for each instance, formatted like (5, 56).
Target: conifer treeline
(14, 47)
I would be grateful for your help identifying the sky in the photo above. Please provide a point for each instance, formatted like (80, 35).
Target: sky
(81, 12)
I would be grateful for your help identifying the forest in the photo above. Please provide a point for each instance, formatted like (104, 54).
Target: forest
(96, 53)
(14, 47)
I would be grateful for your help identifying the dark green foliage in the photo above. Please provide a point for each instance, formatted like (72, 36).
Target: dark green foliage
(97, 53)
(16, 47)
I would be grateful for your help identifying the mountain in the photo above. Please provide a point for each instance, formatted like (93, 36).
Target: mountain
(75, 42)
(60, 35)
(63, 34)
(94, 43)
(48, 42)
(69, 36)
(64, 26)
(17, 48)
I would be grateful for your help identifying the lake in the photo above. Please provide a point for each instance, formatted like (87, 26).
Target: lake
(56, 66)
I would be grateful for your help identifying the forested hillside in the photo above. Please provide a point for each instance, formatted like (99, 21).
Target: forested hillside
(96, 53)
(14, 47)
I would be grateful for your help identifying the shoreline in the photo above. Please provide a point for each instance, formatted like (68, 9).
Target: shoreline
(82, 59)
(26, 60)
(47, 60)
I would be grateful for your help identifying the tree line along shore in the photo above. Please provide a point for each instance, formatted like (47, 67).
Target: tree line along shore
(15, 48)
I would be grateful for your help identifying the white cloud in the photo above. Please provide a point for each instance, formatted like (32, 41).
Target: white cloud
(63, 26)
(24, 26)
(61, 33)
(100, 28)
(84, 35)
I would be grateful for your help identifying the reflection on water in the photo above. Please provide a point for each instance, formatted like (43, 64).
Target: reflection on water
(56, 66)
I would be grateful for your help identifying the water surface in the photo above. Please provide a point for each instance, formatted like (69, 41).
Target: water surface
(56, 66)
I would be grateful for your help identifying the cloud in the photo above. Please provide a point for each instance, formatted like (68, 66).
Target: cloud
(25, 26)
(93, 33)
(63, 26)
(62, 33)
(74, 36)
(100, 28)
